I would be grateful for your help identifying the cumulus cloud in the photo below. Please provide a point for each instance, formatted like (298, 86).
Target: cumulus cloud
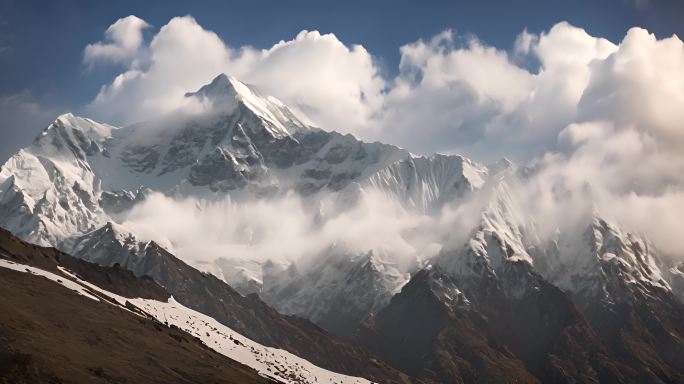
(452, 94)
(446, 94)
(448, 88)
(122, 42)
(334, 85)
(564, 54)
(623, 153)
(640, 85)
(180, 58)
(599, 120)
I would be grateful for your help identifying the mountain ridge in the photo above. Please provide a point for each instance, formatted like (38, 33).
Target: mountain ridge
(72, 187)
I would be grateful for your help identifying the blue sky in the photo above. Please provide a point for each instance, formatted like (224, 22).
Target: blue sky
(46, 38)
(42, 42)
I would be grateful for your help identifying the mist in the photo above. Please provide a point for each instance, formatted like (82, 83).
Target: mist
(289, 228)
(283, 229)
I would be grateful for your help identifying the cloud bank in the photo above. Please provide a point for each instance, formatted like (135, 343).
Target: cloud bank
(452, 93)
(334, 85)
(599, 121)
(203, 231)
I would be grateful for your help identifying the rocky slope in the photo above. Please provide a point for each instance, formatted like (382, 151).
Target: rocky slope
(597, 309)
(618, 282)
(50, 334)
(69, 300)
(247, 315)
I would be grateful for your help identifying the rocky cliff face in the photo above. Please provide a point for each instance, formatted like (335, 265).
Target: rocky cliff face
(33, 302)
(592, 307)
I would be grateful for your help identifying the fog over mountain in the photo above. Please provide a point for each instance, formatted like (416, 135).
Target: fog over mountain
(598, 122)
(509, 213)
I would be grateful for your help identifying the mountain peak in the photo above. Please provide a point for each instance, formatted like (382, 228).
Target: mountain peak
(65, 116)
(226, 92)
(83, 124)
(220, 86)
(79, 135)
(67, 120)
(228, 88)
(221, 77)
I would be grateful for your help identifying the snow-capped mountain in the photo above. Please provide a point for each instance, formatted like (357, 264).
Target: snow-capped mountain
(427, 183)
(70, 187)
(507, 273)
(73, 187)
(605, 258)
(337, 291)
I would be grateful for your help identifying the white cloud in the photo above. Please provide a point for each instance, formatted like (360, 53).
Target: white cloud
(567, 45)
(565, 53)
(203, 231)
(180, 58)
(336, 86)
(445, 95)
(624, 174)
(602, 119)
(628, 147)
(641, 85)
(451, 94)
(485, 70)
(122, 42)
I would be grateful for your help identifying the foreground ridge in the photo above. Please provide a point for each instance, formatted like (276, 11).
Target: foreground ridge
(133, 317)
